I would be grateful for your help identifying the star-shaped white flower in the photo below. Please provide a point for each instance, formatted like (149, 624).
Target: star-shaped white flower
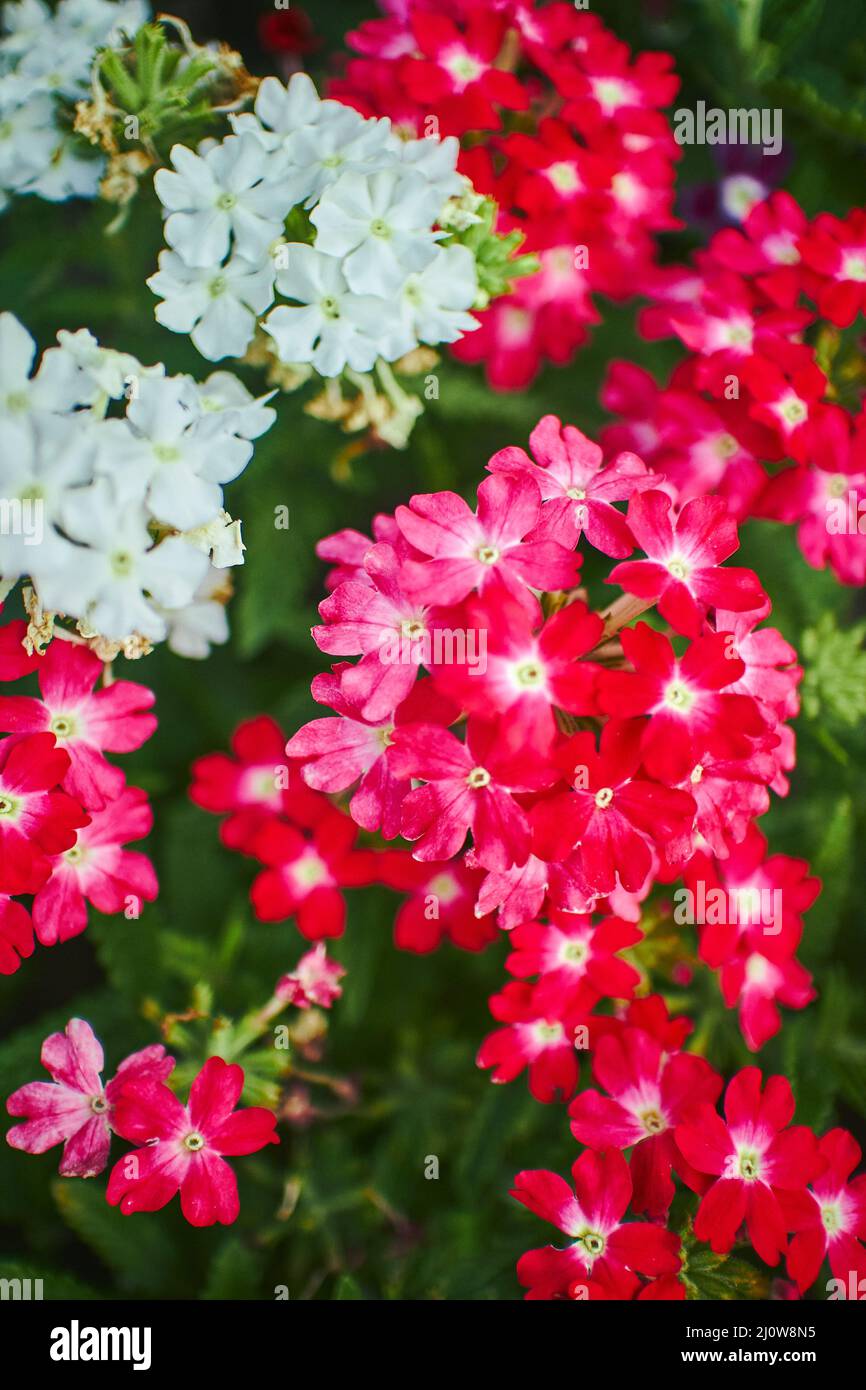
(216, 306)
(331, 327)
(159, 451)
(114, 578)
(232, 191)
(433, 305)
(381, 225)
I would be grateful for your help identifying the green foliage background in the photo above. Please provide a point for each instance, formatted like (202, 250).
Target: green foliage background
(367, 1223)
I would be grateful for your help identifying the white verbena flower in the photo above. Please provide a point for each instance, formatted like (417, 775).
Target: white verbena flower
(216, 306)
(436, 160)
(80, 493)
(433, 305)
(28, 136)
(41, 458)
(331, 327)
(226, 404)
(201, 622)
(118, 569)
(97, 373)
(232, 191)
(380, 225)
(53, 387)
(280, 111)
(157, 449)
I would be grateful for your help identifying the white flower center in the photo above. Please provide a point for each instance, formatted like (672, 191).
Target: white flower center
(854, 267)
(678, 697)
(122, 564)
(63, 726)
(831, 1218)
(603, 797)
(592, 1244)
(530, 674)
(564, 176)
(479, 777)
(166, 453)
(794, 411)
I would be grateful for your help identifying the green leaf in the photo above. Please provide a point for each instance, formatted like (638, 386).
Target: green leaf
(138, 1250)
(234, 1272)
(834, 681)
(707, 1275)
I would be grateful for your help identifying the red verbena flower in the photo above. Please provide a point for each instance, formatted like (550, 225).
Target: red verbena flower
(184, 1147)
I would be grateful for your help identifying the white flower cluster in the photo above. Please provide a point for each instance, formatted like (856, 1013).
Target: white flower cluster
(374, 284)
(46, 59)
(118, 519)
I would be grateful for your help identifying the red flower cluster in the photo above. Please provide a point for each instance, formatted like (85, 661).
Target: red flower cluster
(596, 758)
(752, 1169)
(576, 151)
(767, 379)
(66, 813)
(551, 765)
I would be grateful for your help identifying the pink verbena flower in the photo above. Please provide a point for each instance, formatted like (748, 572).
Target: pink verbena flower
(469, 786)
(185, 1146)
(612, 812)
(36, 819)
(649, 1092)
(378, 621)
(485, 550)
(829, 1219)
(16, 935)
(313, 980)
(755, 1155)
(576, 489)
(75, 1109)
(836, 251)
(524, 675)
(602, 1248)
(689, 710)
(441, 904)
(15, 660)
(99, 870)
(575, 960)
(304, 874)
(683, 567)
(85, 722)
(539, 1036)
(347, 747)
(254, 785)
